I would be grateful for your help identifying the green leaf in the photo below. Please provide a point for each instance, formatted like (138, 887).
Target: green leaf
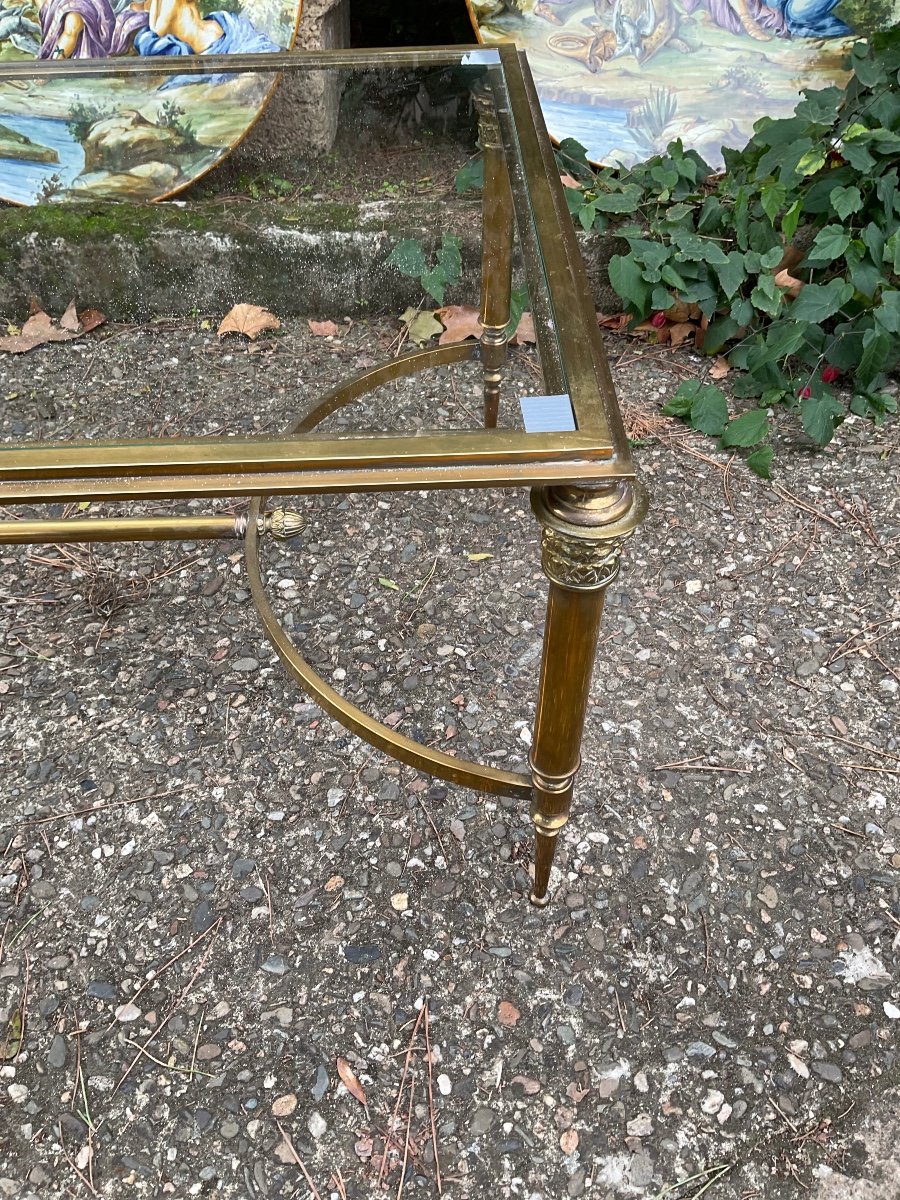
(821, 106)
(628, 282)
(470, 175)
(709, 411)
(449, 257)
(767, 296)
(573, 158)
(790, 220)
(742, 311)
(586, 215)
(388, 583)
(434, 282)
(874, 406)
(819, 301)
(518, 302)
(887, 314)
(785, 338)
(408, 258)
(718, 332)
(864, 275)
(772, 197)
(820, 416)
(625, 201)
(845, 201)
(682, 402)
(878, 348)
(873, 239)
(760, 462)
(576, 199)
(831, 243)
(892, 251)
(810, 162)
(732, 273)
(857, 156)
(749, 429)
(699, 249)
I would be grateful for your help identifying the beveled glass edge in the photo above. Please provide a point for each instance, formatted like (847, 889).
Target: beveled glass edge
(284, 60)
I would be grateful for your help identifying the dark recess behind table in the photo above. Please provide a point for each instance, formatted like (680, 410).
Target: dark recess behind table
(405, 23)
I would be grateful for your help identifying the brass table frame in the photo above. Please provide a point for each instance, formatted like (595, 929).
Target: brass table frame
(584, 494)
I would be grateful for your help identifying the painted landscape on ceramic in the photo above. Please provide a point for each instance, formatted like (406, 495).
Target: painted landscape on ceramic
(128, 137)
(626, 77)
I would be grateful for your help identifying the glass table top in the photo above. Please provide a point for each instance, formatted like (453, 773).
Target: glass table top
(158, 401)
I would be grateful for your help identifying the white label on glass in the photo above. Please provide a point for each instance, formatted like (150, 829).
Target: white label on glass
(547, 414)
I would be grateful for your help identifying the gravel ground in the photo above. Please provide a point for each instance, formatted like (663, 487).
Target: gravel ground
(223, 915)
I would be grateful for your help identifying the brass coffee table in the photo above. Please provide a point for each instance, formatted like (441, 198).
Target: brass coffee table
(583, 491)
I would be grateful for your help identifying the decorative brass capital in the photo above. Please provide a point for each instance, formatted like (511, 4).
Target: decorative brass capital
(584, 531)
(576, 563)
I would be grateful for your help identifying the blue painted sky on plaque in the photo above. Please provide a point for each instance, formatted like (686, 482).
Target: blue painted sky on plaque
(626, 77)
(127, 137)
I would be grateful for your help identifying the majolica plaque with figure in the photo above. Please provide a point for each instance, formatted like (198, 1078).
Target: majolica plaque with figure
(129, 137)
(626, 77)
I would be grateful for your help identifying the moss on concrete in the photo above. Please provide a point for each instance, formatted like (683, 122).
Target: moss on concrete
(307, 256)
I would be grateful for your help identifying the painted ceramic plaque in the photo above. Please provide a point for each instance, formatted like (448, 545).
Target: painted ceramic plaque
(626, 77)
(129, 137)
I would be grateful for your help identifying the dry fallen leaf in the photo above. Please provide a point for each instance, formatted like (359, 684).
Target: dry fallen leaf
(681, 310)
(350, 1082)
(570, 181)
(616, 321)
(720, 368)
(283, 1106)
(785, 280)
(249, 320)
(364, 1146)
(69, 319)
(323, 328)
(568, 1141)
(524, 330)
(335, 882)
(90, 319)
(507, 1013)
(37, 331)
(680, 332)
(460, 321)
(421, 326)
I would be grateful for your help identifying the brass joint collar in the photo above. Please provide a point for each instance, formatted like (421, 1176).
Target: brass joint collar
(584, 530)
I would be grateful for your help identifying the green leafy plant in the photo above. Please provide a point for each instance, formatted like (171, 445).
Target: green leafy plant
(789, 260)
(436, 275)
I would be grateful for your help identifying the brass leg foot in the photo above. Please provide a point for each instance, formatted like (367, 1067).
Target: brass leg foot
(583, 533)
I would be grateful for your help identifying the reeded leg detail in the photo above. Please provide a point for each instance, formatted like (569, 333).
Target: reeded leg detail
(583, 534)
(496, 260)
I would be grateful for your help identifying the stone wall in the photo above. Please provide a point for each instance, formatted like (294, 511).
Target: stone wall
(303, 113)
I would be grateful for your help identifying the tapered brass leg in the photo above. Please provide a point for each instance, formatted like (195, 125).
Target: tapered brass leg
(496, 257)
(583, 533)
